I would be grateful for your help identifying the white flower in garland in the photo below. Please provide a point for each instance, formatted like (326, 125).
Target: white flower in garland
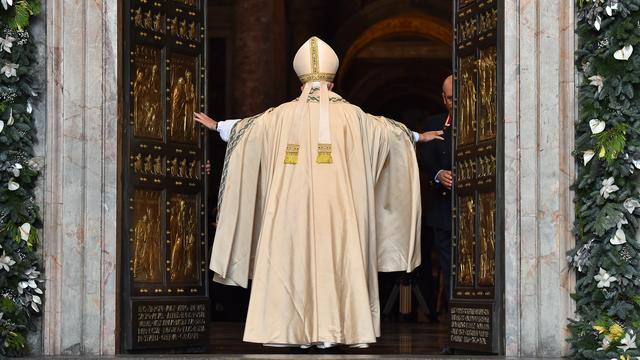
(13, 186)
(604, 279)
(11, 120)
(6, 262)
(609, 9)
(608, 187)
(596, 23)
(631, 205)
(587, 156)
(9, 69)
(1, 125)
(628, 342)
(29, 107)
(34, 299)
(22, 285)
(597, 126)
(619, 238)
(7, 3)
(6, 43)
(624, 53)
(15, 169)
(636, 162)
(598, 81)
(605, 344)
(32, 273)
(25, 230)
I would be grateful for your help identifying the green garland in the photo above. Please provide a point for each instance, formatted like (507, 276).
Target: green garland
(606, 257)
(21, 292)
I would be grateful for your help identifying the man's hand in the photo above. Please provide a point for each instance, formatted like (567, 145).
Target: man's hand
(445, 178)
(207, 167)
(208, 122)
(430, 135)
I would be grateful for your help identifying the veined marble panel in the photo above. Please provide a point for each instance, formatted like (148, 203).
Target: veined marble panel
(539, 113)
(80, 212)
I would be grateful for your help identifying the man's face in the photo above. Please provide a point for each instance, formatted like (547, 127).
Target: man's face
(447, 94)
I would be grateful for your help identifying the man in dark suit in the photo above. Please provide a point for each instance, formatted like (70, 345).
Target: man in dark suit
(434, 160)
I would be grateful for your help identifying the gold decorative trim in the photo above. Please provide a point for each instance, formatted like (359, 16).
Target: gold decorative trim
(324, 154)
(291, 155)
(315, 62)
(237, 132)
(317, 77)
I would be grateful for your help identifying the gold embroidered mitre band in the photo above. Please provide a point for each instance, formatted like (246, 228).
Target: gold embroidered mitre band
(315, 61)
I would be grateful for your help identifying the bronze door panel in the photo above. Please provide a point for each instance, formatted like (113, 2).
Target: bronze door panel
(165, 302)
(477, 238)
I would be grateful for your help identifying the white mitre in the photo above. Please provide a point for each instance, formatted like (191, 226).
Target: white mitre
(315, 61)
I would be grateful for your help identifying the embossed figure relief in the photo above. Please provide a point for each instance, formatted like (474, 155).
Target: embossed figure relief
(466, 170)
(488, 93)
(488, 20)
(184, 99)
(146, 93)
(148, 20)
(147, 164)
(184, 168)
(467, 101)
(183, 234)
(487, 239)
(468, 29)
(145, 237)
(466, 242)
(184, 29)
(487, 166)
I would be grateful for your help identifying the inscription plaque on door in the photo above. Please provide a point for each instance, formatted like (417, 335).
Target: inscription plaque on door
(165, 301)
(476, 297)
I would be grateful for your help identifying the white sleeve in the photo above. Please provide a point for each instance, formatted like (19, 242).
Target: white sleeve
(416, 136)
(436, 177)
(225, 127)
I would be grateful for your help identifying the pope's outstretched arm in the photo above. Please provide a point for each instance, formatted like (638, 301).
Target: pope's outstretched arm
(222, 127)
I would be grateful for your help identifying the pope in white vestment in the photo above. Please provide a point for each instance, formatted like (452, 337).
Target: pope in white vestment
(316, 197)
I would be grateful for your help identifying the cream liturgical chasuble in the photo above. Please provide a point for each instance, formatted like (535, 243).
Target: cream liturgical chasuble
(316, 197)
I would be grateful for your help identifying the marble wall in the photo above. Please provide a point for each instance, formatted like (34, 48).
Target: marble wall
(80, 200)
(539, 113)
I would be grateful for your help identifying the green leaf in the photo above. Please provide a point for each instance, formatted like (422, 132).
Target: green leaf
(611, 143)
(608, 218)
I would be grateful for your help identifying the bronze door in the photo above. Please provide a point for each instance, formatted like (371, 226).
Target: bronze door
(476, 297)
(165, 302)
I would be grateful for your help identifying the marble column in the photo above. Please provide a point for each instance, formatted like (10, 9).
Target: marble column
(539, 109)
(258, 58)
(81, 177)
(306, 18)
